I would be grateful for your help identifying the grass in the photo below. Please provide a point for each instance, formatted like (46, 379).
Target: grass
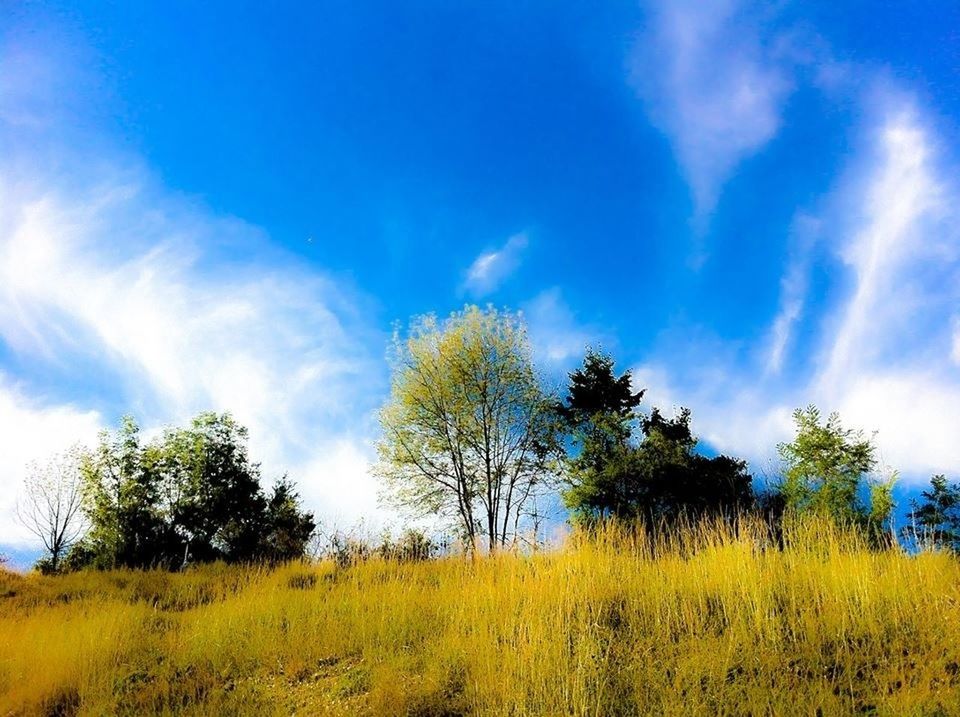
(712, 622)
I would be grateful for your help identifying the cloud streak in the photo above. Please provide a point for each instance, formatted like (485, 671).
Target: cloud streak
(489, 270)
(793, 291)
(887, 338)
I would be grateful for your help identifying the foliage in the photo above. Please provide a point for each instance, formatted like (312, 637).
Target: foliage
(708, 620)
(599, 413)
(123, 501)
(286, 528)
(192, 495)
(826, 467)
(659, 479)
(595, 391)
(469, 435)
(935, 520)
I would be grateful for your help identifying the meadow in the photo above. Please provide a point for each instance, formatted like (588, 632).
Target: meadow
(713, 620)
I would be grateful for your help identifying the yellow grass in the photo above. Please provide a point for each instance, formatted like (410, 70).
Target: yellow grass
(715, 623)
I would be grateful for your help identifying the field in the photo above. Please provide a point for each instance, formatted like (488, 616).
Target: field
(715, 622)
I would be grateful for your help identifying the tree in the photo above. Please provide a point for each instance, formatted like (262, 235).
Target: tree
(468, 433)
(191, 495)
(287, 529)
(123, 502)
(659, 479)
(826, 468)
(935, 521)
(214, 501)
(52, 505)
(599, 412)
(595, 391)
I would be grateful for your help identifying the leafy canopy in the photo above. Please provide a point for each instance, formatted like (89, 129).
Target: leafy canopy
(935, 519)
(827, 468)
(190, 495)
(624, 466)
(469, 434)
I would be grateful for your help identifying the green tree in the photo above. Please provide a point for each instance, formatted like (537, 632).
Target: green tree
(286, 528)
(934, 521)
(595, 392)
(599, 413)
(214, 500)
(468, 433)
(191, 495)
(827, 467)
(122, 495)
(660, 478)
(624, 466)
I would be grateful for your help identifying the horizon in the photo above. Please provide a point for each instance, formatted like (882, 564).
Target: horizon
(752, 208)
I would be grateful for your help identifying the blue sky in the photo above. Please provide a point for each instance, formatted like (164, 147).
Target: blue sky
(229, 205)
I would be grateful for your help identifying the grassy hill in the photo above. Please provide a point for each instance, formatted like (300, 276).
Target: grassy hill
(711, 622)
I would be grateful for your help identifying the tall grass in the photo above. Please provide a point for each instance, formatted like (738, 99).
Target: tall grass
(716, 620)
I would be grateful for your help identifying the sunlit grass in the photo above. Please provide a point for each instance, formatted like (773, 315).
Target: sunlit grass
(714, 622)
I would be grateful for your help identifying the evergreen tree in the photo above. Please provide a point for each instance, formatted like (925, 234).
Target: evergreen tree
(660, 477)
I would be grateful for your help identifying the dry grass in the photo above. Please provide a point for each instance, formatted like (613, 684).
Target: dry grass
(715, 623)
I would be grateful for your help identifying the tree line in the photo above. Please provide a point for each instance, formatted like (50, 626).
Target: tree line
(190, 495)
(474, 440)
(472, 433)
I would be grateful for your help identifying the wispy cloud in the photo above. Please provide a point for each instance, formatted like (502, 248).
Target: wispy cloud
(118, 293)
(714, 84)
(887, 363)
(556, 334)
(893, 246)
(793, 290)
(491, 268)
(887, 338)
(176, 327)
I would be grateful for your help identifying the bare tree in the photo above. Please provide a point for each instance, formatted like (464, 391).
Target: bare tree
(51, 506)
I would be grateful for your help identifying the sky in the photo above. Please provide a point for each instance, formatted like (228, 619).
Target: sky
(230, 206)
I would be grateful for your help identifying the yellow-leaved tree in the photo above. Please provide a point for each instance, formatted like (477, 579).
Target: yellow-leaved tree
(469, 434)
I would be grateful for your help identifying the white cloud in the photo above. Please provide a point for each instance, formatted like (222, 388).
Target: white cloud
(900, 203)
(32, 430)
(885, 344)
(135, 280)
(793, 290)
(955, 352)
(342, 482)
(885, 364)
(491, 268)
(556, 335)
(713, 84)
(914, 413)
